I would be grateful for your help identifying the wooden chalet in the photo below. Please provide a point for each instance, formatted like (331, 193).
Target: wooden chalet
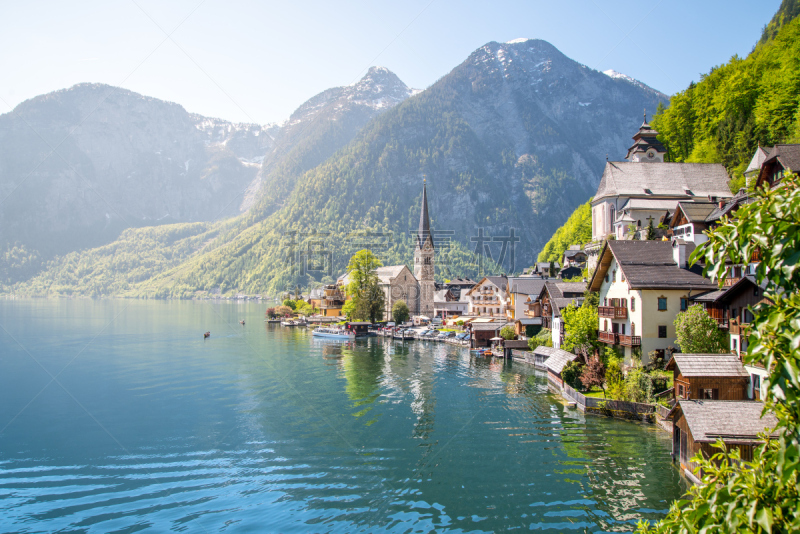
(780, 159)
(708, 376)
(482, 332)
(698, 424)
(556, 360)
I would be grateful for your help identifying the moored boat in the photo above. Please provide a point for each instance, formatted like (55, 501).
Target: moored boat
(334, 333)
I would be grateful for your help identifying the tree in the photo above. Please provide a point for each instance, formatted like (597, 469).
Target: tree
(507, 332)
(542, 339)
(594, 374)
(759, 495)
(400, 313)
(698, 333)
(290, 303)
(367, 296)
(571, 374)
(270, 313)
(348, 309)
(580, 329)
(284, 311)
(651, 231)
(552, 270)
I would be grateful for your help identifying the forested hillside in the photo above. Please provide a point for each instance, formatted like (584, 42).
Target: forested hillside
(739, 105)
(576, 231)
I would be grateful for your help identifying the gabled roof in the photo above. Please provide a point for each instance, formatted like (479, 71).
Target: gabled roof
(758, 160)
(527, 286)
(738, 421)
(490, 327)
(499, 281)
(787, 155)
(695, 212)
(571, 253)
(388, 273)
(708, 365)
(674, 180)
(556, 358)
(561, 303)
(648, 265)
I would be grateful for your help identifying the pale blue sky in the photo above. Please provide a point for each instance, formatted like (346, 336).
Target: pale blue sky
(257, 61)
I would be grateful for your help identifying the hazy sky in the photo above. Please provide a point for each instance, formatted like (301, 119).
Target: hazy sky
(251, 61)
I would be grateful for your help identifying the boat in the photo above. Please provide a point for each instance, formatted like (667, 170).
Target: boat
(206, 335)
(289, 322)
(334, 333)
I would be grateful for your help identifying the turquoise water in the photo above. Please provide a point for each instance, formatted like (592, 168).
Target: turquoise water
(116, 416)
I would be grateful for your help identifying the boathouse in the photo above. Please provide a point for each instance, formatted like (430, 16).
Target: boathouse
(698, 424)
(556, 360)
(708, 376)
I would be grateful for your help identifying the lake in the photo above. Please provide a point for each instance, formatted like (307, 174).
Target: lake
(116, 416)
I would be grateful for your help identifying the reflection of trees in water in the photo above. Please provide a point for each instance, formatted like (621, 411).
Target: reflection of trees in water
(363, 368)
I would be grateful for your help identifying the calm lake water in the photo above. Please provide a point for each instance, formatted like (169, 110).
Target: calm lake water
(116, 416)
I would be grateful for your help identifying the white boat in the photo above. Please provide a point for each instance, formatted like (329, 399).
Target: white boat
(334, 333)
(289, 322)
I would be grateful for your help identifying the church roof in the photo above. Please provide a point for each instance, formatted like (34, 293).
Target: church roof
(424, 220)
(653, 180)
(389, 272)
(758, 159)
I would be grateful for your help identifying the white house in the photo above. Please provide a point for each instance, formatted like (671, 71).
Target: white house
(488, 296)
(642, 287)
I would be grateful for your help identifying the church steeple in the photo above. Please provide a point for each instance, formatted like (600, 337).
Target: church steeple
(646, 146)
(424, 220)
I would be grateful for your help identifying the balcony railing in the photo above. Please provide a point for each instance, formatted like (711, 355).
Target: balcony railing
(607, 337)
(612, 312)
(629, 341)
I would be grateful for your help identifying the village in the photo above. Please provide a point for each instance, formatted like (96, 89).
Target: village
(613, 323)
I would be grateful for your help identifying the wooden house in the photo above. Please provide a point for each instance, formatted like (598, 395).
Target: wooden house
(482, 333)
(698, 424)
(779, 160)
(708, 376)
(556, 360)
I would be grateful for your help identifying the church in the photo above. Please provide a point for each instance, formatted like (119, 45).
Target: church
(416, 289)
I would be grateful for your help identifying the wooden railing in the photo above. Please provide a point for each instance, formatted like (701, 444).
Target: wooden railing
(607, 337)
(612, 312)
(629, 341)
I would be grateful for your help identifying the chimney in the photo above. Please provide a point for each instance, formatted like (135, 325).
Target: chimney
(721, 204)
(679, 253)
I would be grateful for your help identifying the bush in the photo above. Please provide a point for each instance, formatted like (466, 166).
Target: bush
(571, 374)
(290, 304)
(542, 339)
(400, 312)
(507, 333)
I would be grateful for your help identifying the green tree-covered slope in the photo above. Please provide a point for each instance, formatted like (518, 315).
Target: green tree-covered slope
(737, 106)
(576, 231)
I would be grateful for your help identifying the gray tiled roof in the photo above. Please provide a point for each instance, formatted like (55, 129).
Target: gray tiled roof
(663, 179)
(788, 155)
(385, 274)
(560, 304)
(499, 281)
(487, 326)
(697, 211)
(650, 264)
(527, 286)
(709, 420)
(557, 358)
(708, 365)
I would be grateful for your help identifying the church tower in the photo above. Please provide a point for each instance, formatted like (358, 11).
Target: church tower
(424, 259)
(646, 147)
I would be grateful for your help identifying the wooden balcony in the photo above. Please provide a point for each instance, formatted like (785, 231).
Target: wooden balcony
(607, 337)
(728, 282)
(612, 312)
(629, 341)
(532, 313)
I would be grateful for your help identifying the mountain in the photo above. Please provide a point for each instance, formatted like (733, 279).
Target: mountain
(318, 128)
(79, 165)
(513, 138)
(787, 12)
(576, 231)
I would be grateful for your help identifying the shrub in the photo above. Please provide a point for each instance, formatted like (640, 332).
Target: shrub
(507, 333)
(542, 339)
(571, 374)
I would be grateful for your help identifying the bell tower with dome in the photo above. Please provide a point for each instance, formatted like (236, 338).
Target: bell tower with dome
(646, 147)
(424, 258)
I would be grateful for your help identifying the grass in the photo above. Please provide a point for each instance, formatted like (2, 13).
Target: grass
(598, 394)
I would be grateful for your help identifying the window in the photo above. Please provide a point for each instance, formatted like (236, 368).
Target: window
(623, 329)
(662, 303)
(710, 394)
(680, 390)
(622, 276)
(633, 329)
(633, 303)
(606, 277)
(605, 325)
(614, 275)
(684, 304)
(662, 331)
(735, 347)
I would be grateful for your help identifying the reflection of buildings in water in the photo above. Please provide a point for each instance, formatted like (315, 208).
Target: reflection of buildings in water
(332, 350)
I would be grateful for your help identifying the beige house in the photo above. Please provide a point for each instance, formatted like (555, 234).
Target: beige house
(642, 286)
(489, 296)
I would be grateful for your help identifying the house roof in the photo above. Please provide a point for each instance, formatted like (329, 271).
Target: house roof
(561, 303)
(655, 204)
(389, 272)
(529, 321)
(527, 286)
(571, 253)
(499, 281)
(758, 160)
(556, 358)
(681, 180)
(787, 155)
(696, 212)
(708, 365)
(739, 421)
(487, 326)
(648, 265)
